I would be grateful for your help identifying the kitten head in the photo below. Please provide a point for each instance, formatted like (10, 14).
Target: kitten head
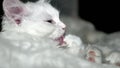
(39, 19)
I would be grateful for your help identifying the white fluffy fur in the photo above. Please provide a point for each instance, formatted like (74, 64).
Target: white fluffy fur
(31, 44)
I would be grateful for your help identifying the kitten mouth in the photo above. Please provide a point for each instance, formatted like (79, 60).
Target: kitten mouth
(61, 39)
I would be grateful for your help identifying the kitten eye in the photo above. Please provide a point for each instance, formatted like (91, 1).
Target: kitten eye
(50, 21)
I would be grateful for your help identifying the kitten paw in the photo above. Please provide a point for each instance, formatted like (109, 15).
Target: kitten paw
(73, 41)
(74, 44)
(114, 58)
(93, 55)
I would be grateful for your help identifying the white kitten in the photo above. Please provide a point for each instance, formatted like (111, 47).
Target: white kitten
(31, 33)
(39, 19)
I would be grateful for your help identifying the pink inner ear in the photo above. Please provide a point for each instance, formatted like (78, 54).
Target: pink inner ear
(15, 10)
(16, 13)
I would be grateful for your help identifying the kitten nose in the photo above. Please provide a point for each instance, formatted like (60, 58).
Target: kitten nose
(63, 25)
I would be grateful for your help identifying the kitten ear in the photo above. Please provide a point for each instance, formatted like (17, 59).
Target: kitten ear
(14, 10)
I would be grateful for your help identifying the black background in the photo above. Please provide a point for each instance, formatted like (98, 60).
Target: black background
(1, 13)
(105, 15)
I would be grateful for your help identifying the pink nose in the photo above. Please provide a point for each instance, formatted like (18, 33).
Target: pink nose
(63, 26)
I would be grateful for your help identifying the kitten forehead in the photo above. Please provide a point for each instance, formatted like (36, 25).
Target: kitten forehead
(43, 8)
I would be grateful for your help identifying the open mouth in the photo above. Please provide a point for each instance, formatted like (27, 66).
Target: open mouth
(61, 39)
